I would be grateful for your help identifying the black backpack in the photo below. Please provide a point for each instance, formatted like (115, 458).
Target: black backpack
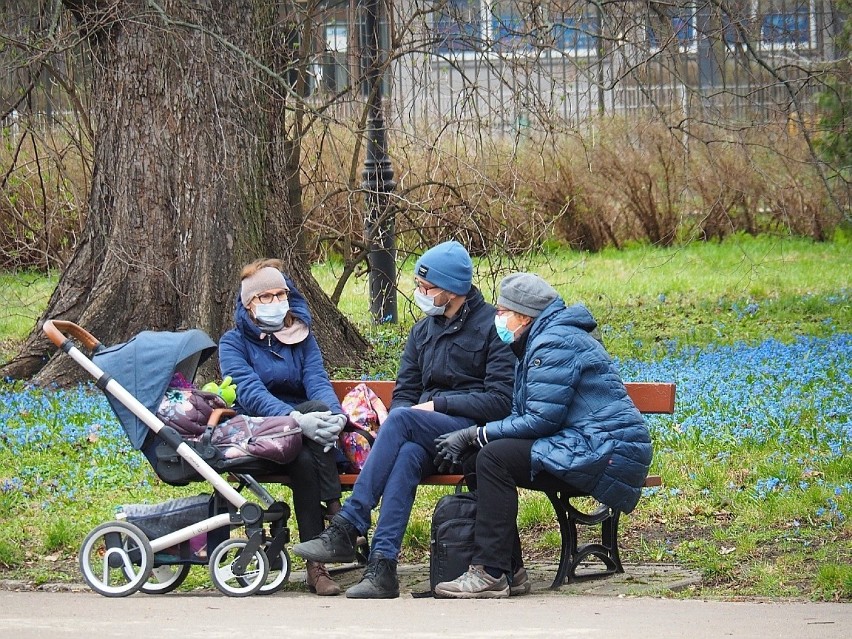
(451, 546)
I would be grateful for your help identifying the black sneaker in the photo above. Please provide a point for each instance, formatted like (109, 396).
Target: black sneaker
(336, 544)
(379, 581)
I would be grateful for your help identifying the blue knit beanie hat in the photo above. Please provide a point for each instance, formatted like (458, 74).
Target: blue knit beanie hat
(447, 266)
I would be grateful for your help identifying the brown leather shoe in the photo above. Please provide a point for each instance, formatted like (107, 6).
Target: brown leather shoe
(319, 581)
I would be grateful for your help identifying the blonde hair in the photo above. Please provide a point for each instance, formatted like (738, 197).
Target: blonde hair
(253, 267)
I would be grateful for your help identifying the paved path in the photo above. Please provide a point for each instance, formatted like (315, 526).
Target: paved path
(291, 615)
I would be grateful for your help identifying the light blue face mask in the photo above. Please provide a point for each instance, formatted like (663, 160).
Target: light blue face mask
(427, 304)
(503, 331)
(270, 317)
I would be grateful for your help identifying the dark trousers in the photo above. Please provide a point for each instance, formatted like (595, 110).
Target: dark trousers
(325, 462)
(313, 479)
(502, 467)
(306, 492)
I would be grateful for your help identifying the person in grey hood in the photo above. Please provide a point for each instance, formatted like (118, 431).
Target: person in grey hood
(572, 425)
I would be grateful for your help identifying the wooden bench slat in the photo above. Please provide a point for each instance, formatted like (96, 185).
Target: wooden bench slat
(649, 397)
(652, 397)
(347, 480)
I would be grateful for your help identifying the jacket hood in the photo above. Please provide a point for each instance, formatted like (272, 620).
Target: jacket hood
(298, 307)
(575, 315)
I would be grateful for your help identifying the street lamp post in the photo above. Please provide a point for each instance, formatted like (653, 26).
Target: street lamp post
(377, 176)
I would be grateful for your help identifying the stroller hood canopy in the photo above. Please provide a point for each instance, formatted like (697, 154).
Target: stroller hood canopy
(144, 366)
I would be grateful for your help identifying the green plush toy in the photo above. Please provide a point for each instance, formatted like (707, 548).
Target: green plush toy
(227, 390)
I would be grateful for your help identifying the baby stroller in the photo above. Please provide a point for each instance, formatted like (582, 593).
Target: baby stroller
(151, 548)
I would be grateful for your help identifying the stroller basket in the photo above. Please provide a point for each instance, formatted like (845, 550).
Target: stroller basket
(159, 520)
(151, 547)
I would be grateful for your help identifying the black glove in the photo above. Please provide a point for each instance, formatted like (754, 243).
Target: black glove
(452, 446)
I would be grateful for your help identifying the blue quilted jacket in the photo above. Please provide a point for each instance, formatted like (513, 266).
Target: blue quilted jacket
(272, 377)
(571, 400)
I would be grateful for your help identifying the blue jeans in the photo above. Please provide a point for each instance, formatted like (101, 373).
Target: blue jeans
(401, 455)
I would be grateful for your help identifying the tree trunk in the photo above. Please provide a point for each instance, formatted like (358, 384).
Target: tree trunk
(197, 157)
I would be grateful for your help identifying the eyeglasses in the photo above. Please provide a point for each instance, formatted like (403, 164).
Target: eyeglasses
(503, 311)
(268, 298)
(420, 286)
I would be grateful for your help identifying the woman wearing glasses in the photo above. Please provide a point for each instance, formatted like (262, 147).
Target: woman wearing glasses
(276, 363)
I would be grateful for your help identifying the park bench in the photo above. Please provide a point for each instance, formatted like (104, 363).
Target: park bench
(649, 397)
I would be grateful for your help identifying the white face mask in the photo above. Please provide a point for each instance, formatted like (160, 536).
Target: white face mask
(271, 316)
(427, 304)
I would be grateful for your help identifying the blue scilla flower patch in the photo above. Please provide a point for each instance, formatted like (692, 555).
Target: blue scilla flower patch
(769, 393)
(773, 418)
(59, 443)
(760, 422)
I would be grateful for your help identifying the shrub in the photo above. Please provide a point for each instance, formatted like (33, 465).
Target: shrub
(42, 196)
(619, 180)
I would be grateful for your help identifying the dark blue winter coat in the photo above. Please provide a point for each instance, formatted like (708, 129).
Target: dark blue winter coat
(459, 364)
(571, 400)
(272, 377)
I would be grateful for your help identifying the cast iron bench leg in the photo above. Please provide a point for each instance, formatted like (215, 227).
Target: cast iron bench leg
(568, 533)
(606, 550)
(570, 555)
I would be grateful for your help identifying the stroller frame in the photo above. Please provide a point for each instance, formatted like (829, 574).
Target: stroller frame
(117, 558)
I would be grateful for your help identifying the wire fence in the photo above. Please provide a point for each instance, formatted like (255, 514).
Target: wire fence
(506, 66)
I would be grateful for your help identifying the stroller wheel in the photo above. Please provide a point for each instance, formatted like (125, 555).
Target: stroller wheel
(222, 569)
(116, 559)
(165, 578)
(279, 574)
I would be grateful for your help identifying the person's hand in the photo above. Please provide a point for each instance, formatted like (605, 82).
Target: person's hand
(430, 406)
(310, 423)
(451, 447)
(330, 430)
(334, 423)
(328, 438)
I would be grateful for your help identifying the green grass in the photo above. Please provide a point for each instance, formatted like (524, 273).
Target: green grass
(24, 297)
(641, 297)
(740, 290)
(718, 511)
(835, 582)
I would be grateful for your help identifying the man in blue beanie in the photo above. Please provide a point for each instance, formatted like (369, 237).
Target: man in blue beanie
(455, 373)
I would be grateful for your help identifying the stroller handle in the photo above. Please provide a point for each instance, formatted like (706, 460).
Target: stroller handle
(218, 414)
(57, 330)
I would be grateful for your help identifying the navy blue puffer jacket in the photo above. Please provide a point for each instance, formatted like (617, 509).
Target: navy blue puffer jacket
(571, 400)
